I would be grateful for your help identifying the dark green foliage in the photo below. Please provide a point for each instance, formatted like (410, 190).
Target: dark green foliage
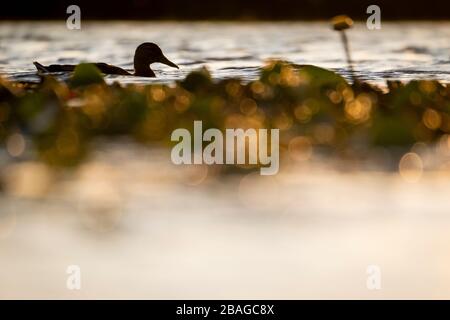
(61, 120)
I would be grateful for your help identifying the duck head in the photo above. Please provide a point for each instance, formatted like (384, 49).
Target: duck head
(146, 54)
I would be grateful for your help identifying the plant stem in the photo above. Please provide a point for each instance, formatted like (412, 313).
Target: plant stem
(347, 53)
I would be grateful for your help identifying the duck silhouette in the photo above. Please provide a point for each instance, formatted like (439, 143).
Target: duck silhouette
(146, 54)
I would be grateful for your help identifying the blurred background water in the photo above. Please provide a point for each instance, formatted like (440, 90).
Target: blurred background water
(400, 50)
(139, 227)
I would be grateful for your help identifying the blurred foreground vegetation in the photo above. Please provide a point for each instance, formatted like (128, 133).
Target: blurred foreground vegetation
(56, 122)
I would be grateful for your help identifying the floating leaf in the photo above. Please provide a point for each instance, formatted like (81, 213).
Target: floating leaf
(86, 74)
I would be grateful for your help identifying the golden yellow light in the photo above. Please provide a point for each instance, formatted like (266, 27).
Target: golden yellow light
(257, 87)
(289, 76)
(427, 86)
(358, 110)
(233, 89)
(335, 97)
(303, 113)
(432, 119)
(158, 94)
(348, 94)
(341, 22)
(411, 167)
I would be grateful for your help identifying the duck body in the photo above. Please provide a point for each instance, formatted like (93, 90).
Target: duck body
(146, 54)
(103, 67)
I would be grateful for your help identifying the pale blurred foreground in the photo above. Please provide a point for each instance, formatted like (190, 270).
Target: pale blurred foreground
(140, 227)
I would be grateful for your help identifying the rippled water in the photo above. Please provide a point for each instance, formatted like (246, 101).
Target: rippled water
(407, 50)
(140, 227)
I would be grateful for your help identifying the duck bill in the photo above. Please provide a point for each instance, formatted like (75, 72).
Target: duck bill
(168, 62)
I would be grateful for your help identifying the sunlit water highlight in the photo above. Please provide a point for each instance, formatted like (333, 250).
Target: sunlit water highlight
(403, 51)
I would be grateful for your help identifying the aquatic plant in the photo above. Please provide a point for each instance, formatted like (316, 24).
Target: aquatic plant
(342, 23)
(308, 104)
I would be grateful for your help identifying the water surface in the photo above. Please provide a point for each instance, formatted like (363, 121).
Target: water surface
(403, 51)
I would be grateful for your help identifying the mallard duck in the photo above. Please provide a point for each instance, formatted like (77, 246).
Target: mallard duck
(146, 54)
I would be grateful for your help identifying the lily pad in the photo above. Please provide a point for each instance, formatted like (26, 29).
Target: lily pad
(86, 74)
